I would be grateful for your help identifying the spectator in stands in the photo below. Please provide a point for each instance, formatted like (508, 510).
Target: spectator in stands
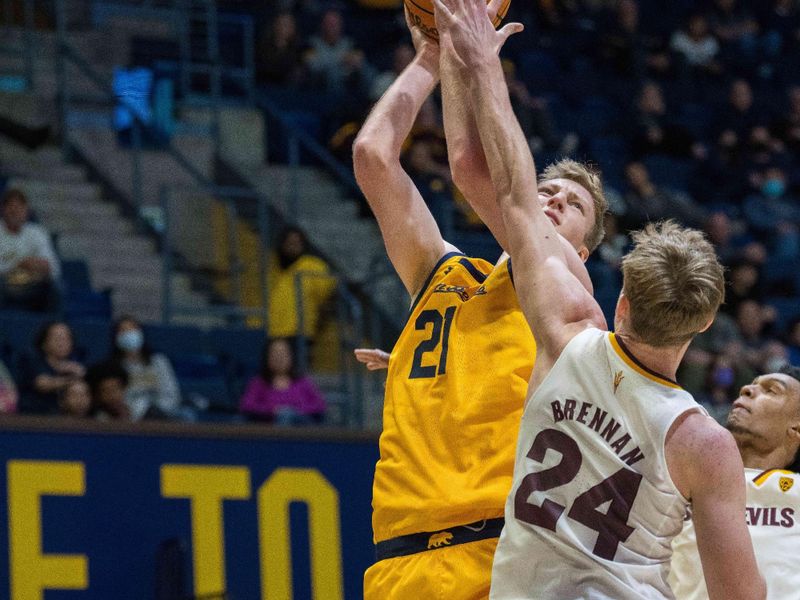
(780, 25)
(535, 117)
(280, 394)
(735, 26)
(8, 392)
(279, 58)
(743, 285)
(630, 51)
(793, 341)
(697, 47)
(51, 370)
(29, 268)
(732, 246)
(652, 132)
(774, 214)
(402, 56)
(739, 117)
(787, 127)
(335, 64)
(108, 382)
(75, 400)
(648, 202)
(293, 262)
(152, 389)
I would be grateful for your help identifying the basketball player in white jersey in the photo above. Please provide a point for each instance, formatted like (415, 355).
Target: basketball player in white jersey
(611, 451)
(765, 421)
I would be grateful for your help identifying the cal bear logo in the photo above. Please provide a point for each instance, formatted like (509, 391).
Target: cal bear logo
(786, 483)
(440, 539)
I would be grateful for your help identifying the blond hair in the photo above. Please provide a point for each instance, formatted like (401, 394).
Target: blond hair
(674, 283)
(588, 177)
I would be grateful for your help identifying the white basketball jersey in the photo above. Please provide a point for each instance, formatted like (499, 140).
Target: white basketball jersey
(592, 510)
(773, 518)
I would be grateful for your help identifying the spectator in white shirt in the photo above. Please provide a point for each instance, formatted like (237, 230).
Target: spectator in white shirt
(29, 268)
(697, 45)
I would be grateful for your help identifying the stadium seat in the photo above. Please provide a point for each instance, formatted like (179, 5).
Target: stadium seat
(539, 70)
(194, 365)
(18, 328)
(673, 173)
(173, 340)
(788, 310)
(75, 275)
(92, 338)
(240, 348)
(213, 390)
(81, 303)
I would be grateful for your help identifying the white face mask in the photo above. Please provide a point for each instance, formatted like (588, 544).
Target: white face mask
(131, 340)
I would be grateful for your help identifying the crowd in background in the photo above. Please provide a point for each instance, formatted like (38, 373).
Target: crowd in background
(691, 109)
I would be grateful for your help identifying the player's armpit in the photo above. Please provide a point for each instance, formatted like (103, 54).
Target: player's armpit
(705, 464)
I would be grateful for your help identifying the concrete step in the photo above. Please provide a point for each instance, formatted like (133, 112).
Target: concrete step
(72, 221)
(41, 192)
(87, 245)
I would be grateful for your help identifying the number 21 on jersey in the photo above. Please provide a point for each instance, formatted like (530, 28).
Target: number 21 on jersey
(439, 336)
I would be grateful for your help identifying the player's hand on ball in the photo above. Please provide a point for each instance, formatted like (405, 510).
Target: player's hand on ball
(374, 358)
(468, 26)
(422, 43)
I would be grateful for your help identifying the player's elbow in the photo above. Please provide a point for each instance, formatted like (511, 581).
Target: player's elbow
(468, 168)
(370, 157)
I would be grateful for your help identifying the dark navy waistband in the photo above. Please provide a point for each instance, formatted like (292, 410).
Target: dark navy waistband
(431, 540)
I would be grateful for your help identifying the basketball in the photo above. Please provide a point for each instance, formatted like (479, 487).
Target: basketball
(421, 12)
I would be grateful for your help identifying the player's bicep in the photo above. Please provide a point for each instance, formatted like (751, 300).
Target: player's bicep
(412, 237)
(718, 509)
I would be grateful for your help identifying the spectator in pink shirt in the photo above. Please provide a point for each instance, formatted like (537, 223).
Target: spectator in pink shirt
(280, 394)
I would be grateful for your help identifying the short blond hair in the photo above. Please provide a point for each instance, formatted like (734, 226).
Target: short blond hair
(587, 176)
(674, 283)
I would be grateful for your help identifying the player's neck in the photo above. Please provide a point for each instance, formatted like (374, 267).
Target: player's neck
(755, 458)
(664, 361)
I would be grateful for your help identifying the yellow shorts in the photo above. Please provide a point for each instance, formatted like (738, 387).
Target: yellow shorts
(461, 572)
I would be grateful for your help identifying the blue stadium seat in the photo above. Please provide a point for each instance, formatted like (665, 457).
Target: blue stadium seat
(75, 274)
(240, 348)
(194, 365)
(673, 173)
(82, 303)
(92, 338)
(18, 328)
(174, 340)
(213, 389)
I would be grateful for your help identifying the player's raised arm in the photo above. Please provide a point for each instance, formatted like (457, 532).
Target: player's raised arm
(707, 468)
(464, 150)
(555, 303)
(412, 238)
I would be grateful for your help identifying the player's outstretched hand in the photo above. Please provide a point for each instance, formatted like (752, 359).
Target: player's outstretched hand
(374, 358)
(468, 25)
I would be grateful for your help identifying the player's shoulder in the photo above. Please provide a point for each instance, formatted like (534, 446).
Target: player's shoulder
(702, 450)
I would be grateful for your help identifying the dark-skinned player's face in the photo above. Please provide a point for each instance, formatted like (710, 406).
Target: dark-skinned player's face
(766, 409)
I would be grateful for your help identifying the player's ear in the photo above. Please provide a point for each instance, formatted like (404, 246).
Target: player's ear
(707, 325)
(583, 252)
(623, 308)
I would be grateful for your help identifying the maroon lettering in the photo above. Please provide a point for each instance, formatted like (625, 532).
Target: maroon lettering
(610, 430)
(598, 418)
(558, 414)
(773, 517)
(632, 457)
(753, 515)
(618, 445)
(585, 406)
(569, 409)
(787, 517)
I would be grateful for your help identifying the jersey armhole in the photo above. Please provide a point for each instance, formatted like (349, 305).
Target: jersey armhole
(430, 277)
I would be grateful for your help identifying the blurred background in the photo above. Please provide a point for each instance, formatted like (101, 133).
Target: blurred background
(186, 263)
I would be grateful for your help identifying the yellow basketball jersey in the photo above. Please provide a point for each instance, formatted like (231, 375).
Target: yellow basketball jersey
(456, 386)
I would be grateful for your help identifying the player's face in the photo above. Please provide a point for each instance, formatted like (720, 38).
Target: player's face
(570, 207)
(766, 409)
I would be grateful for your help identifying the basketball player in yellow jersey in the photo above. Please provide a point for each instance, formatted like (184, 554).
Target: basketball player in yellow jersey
(458, 373)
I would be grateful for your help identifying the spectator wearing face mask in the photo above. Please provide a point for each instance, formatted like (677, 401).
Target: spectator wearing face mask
(152, 391)
(773, 214)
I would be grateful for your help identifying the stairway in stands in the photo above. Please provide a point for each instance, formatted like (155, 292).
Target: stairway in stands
(89, 227)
